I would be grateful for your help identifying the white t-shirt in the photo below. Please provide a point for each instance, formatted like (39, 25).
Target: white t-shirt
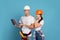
(28, 21)
(39, 28)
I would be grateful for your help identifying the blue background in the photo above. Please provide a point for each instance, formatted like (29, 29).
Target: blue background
(14, 9)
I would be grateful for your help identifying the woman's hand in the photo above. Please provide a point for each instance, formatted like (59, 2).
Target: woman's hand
(37, 25)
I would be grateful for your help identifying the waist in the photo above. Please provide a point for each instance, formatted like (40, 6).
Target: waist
(25, 30)
(26, 34)
(37, 29)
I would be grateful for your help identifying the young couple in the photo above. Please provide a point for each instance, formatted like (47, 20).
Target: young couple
(28, 22)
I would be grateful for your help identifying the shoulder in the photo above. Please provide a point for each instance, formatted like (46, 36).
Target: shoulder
(22, 17)
(42, 22)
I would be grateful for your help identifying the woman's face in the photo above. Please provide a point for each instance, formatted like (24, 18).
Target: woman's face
(38, 16)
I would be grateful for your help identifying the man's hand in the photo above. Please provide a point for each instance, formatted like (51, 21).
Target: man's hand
(20, 25)
(16, 24)
(13, 21)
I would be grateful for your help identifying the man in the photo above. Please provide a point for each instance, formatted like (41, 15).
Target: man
(26, 23)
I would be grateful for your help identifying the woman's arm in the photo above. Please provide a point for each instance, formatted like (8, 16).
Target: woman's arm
(39, 24)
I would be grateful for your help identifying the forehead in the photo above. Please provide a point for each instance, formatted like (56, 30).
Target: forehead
(37, 15)
(26, 10)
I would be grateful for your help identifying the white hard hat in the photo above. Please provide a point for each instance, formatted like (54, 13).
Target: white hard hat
(26, 7)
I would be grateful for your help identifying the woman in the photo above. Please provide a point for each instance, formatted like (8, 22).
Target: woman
(38, 25)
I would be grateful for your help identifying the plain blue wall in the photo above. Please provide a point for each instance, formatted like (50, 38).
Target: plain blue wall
(14, 9)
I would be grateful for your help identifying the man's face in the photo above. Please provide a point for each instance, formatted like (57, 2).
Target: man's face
(26, 12)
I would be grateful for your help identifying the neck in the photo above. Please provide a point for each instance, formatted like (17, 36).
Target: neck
(27, 15)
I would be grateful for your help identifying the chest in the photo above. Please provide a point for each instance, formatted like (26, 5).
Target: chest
(27, 20)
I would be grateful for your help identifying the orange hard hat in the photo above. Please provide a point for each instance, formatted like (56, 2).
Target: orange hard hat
(39, 12)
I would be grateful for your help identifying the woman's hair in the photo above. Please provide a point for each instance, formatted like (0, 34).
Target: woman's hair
(40, 19)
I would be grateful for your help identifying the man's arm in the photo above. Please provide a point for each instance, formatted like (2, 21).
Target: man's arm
(16, 24)
(20, 25)
(30, 26)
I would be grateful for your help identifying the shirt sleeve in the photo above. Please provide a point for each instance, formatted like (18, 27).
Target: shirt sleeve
(33, 19)
(42, 22)
(20, 20)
